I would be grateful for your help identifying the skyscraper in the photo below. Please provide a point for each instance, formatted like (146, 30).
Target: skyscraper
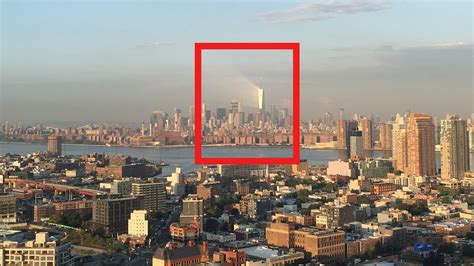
(454, 147)
(471, 137)
(234, 106)
(344, 130)
(55, 145)
(274, 113)
(205, 115)
(177, 119)
(341, 134)
(356, 144)
(421, 145)
(261, 100)
(157, 120)
(221, 113)
(283, 115)
(191, 114)
(385, 136)
(365, 125)
(399, 143)
(328, 119)
(239, 119)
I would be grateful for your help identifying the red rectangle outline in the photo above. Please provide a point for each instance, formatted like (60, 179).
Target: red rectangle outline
(198, 47)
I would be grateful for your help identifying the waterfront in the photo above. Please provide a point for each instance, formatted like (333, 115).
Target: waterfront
(184, 156)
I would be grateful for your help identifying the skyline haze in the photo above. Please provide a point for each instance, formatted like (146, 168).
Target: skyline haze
(141, 56)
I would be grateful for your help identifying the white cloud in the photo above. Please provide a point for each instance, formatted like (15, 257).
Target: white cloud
(449, 44)
(323, 10)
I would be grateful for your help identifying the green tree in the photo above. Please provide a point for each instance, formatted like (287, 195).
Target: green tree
(211, 225)
(363, 199)
(224, 226)
(468, 251)
(446, 191)
(470, 235)
(448, 248)
(330, 187)
(417, 208)
(302, 195)
(446, 200)
(292, 181)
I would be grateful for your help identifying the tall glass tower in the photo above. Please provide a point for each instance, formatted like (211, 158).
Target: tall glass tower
(261, 101)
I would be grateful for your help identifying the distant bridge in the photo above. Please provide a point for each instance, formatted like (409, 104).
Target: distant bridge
(91, 193)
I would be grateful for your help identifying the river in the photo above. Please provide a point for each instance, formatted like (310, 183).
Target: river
(184, 156)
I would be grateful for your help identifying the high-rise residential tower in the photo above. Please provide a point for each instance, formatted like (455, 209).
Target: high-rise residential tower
(344, 130)
(399, 143)
(356, 144)
(385, 136)
(421, 145)
(365, 125)
(153, 193)
(454, 147)
(112, 214)
(471, 137)
(192, 210)
(55, 145)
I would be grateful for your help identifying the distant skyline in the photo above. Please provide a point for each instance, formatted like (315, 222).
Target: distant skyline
(120, 61)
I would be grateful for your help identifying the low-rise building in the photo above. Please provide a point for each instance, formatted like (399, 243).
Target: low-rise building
(325, 245)
(266, 256)
(393, 216)
(383, 188)
(41, 251)
(7, 208)
(221, 237)
(138, 223)
(186, 255)
(333, 215)
(185, 231)
(458, 227)
(229, 257)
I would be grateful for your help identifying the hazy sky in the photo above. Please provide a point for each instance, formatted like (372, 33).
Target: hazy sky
(228, 75)
(119, 61)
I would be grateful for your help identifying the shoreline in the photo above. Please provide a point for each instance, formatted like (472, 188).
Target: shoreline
(189, 146)
(171, 146)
